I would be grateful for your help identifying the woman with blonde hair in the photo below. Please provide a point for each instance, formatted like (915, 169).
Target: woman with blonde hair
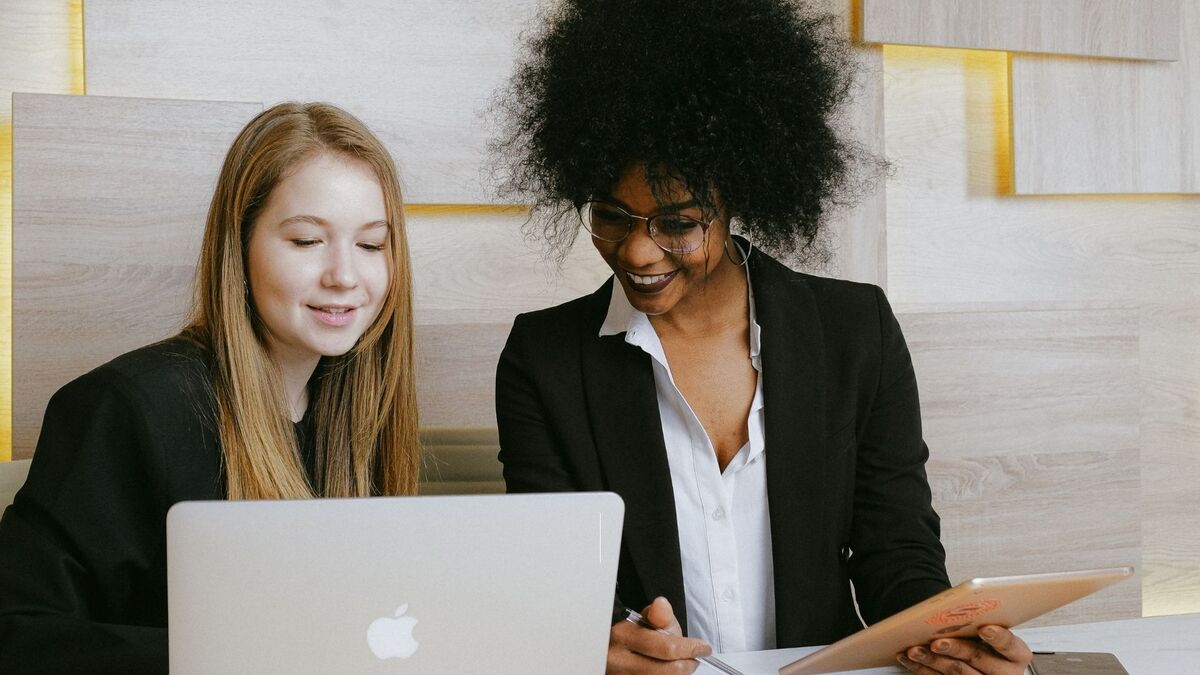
(292, 379)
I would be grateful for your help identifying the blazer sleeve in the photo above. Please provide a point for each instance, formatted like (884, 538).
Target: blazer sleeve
(897, 558)
(529, 450)
(82, 546)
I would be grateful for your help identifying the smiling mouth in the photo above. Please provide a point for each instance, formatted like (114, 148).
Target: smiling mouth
(333, 315)
(650, 283)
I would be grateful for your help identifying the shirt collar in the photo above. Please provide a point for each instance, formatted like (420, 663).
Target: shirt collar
(621, 313)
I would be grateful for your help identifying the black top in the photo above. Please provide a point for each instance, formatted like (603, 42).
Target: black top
(846, 487)
(83, 546)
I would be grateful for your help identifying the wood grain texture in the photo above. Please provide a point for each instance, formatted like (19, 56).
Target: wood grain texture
(38, 46)
(477, 268)
(456, 373)
(858, 234)
(956, 235)
(1099, 126)
(1127, 29)
(110, 197)
(41, 50)
(1032, 421)
(1044, 513)
(1171, 455)
(1015, 383)
(955, 232)
(419, 73)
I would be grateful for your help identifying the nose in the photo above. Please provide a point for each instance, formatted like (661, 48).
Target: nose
(340, 269)
(638, 250)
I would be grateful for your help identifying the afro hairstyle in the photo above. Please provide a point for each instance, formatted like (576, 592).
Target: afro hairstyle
(741, 100)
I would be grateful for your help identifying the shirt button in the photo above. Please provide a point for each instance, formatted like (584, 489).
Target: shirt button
(727, 596)
(718, 514)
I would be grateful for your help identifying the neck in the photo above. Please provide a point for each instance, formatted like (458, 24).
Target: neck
(721, 304)
(296, 373)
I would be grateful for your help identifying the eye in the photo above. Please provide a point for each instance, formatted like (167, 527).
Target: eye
(674, 225)
(371, 246)
(607, 214)
(305, 243)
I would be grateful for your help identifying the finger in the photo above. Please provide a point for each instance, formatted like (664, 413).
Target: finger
(977, 654)
(939, 663)
(660, 613)
(914, 666)
(650, 643)
(622, 661)
(1006, 644)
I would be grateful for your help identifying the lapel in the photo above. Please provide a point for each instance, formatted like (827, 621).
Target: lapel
(793, 361)
(623, 409)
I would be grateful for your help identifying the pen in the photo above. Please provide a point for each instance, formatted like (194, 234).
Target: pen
(635, 617)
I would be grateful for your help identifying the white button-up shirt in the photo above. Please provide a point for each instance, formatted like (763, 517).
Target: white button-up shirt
(724, 525)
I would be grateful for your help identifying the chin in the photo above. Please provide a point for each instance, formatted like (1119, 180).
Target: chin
(650, 305)
(331, 350)
(652, 308)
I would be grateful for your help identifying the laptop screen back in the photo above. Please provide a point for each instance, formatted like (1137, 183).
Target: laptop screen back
(496, 583)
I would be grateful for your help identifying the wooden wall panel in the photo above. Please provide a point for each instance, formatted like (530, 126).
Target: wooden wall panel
(1128, 29)
(456, 373)
(477, 268)
(859, 233)
(956, 235)
(1170, 348)
(1032, 422)
(109, 203)
(1101, 126)
(41, 47)
(419, 73)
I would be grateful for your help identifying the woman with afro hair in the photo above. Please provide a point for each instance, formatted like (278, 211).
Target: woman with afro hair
(762, 425)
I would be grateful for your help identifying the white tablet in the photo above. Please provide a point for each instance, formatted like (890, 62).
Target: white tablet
(957, 612)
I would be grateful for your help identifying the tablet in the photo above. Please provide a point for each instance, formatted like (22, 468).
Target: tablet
(957, 612)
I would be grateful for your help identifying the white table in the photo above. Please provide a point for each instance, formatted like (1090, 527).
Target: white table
(1161, 645)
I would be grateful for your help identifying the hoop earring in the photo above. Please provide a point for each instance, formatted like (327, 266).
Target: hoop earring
(745, 254)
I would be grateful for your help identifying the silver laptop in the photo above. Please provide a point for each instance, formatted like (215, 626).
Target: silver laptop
(477, 584)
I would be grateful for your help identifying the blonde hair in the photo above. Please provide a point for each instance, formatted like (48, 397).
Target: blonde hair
(363, 403)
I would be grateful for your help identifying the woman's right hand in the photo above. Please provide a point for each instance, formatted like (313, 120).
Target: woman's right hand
(637, 649)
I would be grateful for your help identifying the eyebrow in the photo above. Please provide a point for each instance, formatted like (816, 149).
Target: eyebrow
(317, 220)
(662, 208)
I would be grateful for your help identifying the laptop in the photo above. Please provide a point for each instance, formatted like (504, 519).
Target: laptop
(456, 584)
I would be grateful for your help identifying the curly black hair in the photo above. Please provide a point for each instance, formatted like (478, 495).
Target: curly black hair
(739, 99)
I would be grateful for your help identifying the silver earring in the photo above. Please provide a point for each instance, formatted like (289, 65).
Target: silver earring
(745, 254)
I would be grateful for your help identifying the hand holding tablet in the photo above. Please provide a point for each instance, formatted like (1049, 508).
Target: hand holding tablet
(959, 612)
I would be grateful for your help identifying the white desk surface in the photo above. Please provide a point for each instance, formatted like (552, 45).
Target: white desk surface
(1149, 646)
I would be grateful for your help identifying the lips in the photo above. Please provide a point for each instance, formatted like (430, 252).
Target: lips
(650, 283)
(333, 315)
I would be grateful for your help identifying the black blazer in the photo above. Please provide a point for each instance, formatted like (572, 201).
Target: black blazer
(83, 546)
(846, 485)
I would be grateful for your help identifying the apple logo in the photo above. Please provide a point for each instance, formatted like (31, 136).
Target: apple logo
(392, 638)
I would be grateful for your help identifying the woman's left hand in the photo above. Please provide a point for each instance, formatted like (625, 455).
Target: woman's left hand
(997, 652)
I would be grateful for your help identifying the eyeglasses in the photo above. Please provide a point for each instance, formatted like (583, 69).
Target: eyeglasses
(674, 233)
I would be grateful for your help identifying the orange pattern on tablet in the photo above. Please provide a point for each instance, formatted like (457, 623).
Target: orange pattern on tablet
(963, 613)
